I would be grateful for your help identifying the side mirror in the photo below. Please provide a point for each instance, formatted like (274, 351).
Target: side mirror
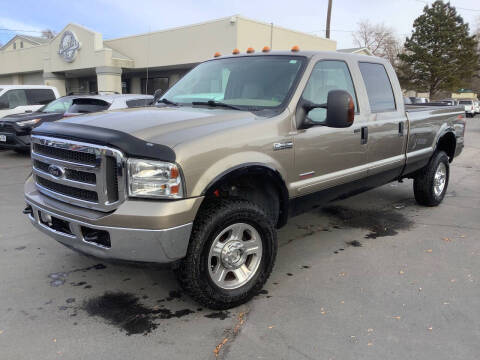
(157, 95)
(340, 110)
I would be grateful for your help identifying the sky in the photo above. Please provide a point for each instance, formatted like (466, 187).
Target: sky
(117, 18)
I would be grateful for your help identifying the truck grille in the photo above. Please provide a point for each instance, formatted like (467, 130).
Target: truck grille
(82, 174)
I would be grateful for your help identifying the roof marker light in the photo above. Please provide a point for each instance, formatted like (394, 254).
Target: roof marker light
(235, 51)
(217, 54)
(266, 49)
(250, 50)
(295, 48)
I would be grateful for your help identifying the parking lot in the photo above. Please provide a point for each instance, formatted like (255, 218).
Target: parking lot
(371, 277)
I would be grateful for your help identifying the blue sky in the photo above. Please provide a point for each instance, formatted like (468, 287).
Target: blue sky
(116, 18)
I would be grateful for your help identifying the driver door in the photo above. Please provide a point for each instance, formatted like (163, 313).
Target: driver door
(326, 157)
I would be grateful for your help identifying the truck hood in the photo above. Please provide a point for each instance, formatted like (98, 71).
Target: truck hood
(30, 116)
(168, 126)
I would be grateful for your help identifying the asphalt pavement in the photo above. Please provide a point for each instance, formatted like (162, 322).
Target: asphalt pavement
(371, 277)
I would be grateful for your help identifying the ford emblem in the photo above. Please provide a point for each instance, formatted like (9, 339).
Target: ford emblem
(55, 171)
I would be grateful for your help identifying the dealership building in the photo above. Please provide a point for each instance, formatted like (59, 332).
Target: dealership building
(80, 60)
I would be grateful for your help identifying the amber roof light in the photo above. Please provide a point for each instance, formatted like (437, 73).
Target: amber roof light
(250, 50)
(295, 48)
(235, 52)
(266, 49)
(217, 54)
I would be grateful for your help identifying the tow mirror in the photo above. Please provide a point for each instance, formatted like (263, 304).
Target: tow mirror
(340, 110)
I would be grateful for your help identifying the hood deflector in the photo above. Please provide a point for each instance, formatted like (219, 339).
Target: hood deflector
(127, 143)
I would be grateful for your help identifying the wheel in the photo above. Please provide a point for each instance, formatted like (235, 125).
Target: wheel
(430, 185)
(231, 254)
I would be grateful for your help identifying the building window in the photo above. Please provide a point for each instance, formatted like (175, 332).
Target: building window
(21, 44)
(14, 46)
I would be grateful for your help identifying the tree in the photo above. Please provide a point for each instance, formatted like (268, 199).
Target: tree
(379, 39)
(48, 34)
(440, 54)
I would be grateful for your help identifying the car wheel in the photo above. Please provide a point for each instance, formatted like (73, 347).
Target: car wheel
(430, 185)
(231, 254)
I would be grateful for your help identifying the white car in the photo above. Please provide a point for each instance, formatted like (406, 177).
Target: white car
(16, 99)
(469, 107)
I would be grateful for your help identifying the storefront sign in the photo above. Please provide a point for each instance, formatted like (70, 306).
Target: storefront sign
(69, 46)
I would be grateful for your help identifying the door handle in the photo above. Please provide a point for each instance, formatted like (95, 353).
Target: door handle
(364, 132)
(401, 127)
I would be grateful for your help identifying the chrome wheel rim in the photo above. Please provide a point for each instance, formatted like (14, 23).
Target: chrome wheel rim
(440, 179)
(235, 256)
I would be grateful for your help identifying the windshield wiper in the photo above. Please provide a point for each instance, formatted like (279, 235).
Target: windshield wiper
(168, 102)
(214, 103)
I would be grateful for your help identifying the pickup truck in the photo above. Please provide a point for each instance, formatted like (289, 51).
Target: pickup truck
(203, 179)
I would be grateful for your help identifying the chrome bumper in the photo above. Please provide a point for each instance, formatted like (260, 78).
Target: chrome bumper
(141, 245)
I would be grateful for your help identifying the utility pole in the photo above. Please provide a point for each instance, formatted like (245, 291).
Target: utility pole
(329, 15)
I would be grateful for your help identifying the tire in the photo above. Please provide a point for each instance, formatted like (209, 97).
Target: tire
(424, 185)
(196, 272)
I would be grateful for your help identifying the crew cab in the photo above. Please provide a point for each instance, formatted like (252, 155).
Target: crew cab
(237, 146)
(15, 129)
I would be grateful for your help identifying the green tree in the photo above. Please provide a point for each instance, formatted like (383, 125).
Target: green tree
(440, 54)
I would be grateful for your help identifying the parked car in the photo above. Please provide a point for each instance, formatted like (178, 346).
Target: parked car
(203, 184)
(469, 107)
(15, 99)
(15, 129)
(451, 102)
(418, 100)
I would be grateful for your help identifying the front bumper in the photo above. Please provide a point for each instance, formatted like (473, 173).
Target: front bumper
(15, 141)
(160, 241)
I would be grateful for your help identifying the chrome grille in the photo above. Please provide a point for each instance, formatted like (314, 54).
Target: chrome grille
(82, 174)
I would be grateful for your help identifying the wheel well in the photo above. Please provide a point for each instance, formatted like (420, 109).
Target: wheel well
(259, 184)
(447, 143)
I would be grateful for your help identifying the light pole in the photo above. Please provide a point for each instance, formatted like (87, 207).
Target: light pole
(329, 15)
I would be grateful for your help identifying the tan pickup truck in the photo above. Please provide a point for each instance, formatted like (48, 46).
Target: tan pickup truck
(203, 179)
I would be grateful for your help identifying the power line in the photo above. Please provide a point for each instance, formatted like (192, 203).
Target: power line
(456, 7)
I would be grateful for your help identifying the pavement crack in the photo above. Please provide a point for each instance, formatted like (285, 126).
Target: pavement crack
(231, 335)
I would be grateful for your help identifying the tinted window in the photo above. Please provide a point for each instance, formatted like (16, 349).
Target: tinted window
(327, 76)
(466, 102)
(84, 106)
(139, 102)
(40, 96)
(379, 89)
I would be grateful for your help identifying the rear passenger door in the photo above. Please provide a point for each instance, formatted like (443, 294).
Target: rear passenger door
(386, 125)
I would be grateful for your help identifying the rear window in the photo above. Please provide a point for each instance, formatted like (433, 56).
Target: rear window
(85, 106)
(40, 96)
(139, 102)
(379, 88)
(466, 102)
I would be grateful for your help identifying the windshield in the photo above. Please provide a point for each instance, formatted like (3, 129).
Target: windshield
(250, 83)
(58, 106)
(466, 102)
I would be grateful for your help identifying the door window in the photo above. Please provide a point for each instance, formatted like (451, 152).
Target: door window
(327, 75)
(379, 88)
(40, 96)
(13, 99)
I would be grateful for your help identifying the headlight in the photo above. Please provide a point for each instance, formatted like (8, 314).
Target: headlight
(27, 122)
(154, 179)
